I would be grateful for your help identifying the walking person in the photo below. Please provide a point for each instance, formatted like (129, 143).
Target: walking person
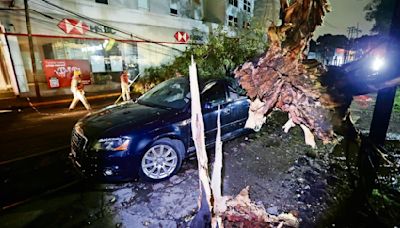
(126, 96)
(77, 90)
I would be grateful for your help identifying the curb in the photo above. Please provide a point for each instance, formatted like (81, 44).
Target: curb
(62, 101)
(26, 103)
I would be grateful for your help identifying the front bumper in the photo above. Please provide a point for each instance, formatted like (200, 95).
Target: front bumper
(101, 165)
(102, 168)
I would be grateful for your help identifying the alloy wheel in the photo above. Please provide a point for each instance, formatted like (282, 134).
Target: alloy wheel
(159, 161)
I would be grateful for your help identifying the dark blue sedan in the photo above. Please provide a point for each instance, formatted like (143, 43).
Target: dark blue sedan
(152, 136)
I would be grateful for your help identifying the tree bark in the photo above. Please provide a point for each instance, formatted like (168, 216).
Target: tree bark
(203, 217)
(317, 98)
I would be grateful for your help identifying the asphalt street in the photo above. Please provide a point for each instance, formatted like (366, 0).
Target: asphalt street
(27, 132)
(39, 187)
(35, 144)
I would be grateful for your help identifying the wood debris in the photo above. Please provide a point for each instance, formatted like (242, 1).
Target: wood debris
(241, 212)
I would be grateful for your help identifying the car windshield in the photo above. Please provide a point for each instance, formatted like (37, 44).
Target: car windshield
(173, 93)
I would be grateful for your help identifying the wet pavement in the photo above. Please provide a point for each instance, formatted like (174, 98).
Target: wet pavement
(35, 146)
(283, 174)
(272, 163)
(171, 203)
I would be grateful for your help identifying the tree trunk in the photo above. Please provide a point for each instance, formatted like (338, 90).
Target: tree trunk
(316, 98)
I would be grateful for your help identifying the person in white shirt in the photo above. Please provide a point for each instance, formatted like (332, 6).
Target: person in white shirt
(125, 86)
(77, 89)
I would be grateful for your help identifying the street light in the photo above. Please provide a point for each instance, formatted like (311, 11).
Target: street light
(377, 64)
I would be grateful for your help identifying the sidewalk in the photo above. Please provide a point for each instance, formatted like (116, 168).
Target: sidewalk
(24, 102)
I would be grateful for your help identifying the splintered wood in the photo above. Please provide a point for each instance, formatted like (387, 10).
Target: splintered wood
(241, 212)
(214, 208)
(198, 137)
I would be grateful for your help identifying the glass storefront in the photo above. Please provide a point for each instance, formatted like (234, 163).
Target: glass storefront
(106, 57)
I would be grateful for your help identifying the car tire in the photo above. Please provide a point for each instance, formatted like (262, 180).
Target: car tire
(162, 160)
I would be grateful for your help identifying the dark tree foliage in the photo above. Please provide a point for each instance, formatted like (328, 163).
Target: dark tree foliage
(217, 56)
(381, 12)
(327, 44)
(329, 40)
(367, 43)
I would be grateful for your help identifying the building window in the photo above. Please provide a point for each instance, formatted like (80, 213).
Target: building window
(143, 4)
(232, 21)
(247, 6)
(246, 24)
(173, 8)
(102, 1)
(233, 2)
(173, 11)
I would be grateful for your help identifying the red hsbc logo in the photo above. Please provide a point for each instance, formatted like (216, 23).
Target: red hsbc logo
(73, 26)
(182, 37)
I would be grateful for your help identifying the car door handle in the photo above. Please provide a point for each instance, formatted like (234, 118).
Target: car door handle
(226, 111)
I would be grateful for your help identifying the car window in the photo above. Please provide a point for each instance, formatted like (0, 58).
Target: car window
(169, 94)
(234, 90)
(214, 93)
(232, 95)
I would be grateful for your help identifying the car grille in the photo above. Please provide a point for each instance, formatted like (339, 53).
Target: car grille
(85, 162)
(78, 142)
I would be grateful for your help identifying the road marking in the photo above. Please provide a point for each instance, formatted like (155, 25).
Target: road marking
(5, 111)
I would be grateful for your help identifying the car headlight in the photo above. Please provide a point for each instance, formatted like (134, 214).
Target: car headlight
(112, 144)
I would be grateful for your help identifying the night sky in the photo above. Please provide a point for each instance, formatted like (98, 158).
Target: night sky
(345, 13)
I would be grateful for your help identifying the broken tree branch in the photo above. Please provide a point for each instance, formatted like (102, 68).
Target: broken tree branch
(216, 179)
(198, 137)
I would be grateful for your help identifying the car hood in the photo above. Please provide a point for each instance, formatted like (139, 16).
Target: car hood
(119, 119)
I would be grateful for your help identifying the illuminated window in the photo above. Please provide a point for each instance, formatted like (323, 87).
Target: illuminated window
(234, 2)
(246, 24)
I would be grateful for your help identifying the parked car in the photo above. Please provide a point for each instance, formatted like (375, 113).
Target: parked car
(151, 137)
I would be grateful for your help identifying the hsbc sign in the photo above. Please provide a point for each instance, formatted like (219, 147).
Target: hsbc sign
(73, 26)
(182, 37)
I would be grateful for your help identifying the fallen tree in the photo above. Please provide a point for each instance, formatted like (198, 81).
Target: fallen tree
(315, 98)
(216, 210)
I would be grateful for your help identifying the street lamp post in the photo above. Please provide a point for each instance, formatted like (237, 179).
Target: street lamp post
(384, 101)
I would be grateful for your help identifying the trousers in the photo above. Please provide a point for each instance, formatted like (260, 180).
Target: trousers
(79, 95)
(125, 92)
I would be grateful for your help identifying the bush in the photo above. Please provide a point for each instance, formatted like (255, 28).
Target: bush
(218, 57)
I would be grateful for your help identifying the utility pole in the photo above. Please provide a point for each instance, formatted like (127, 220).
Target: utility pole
(31, 50)
(384, 101)
(351, 31)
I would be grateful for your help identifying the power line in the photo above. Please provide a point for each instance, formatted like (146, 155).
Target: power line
(106, 36)
(352, 30)
(129, 42)
(106, 25)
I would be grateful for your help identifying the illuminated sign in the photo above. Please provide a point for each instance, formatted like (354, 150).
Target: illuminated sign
(182, 37)
(73, 26)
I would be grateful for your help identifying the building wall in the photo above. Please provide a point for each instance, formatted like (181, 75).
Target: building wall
(143, 31)
(267, 12)
(144, 37)
(215, 11)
